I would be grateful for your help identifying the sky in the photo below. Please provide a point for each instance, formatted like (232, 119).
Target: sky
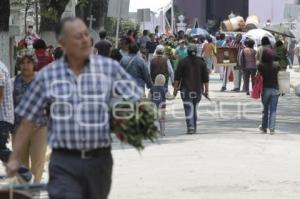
(154, 5)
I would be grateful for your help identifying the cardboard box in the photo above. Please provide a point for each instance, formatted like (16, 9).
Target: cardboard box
(227, 56)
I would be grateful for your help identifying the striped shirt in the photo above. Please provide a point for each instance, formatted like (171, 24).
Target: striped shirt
(240, 47)
(6, 104)
(79, 106)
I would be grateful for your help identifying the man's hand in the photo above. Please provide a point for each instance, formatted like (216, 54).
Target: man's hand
(22, 137)
(175, 92)
(205, 93)
(12, 167)
(176, 88)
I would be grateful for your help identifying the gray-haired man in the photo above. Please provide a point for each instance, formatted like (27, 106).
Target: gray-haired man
(77, 89)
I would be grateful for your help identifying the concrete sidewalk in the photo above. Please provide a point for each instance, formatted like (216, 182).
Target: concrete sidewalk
(227, 159)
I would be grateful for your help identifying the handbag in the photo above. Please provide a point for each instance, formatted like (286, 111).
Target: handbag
(231, 76)
(258, 87)
(284, 82)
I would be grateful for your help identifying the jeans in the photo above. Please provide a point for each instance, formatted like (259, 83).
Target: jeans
(270, 100)
(190, 104)
(291, 59)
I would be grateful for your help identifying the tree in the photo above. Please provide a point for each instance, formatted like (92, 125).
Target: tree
(51, 12)
(100, 13)
(4, 28)
(27, 5)
(5, 13)
(97, 8)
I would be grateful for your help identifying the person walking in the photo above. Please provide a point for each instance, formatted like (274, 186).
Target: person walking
(233, 69)
(158, 97)
(248, 63)
(151, 46)
(43, 56)
(103, 46)
(79, 132)
(237, 71)
(136, 66)
(142, 41)
(291, 53)
(297, 52)
(35, 152)
(281, 55)
(191, 79)
(7, 121)
(181, 51)
(265, 43)
(6, 111)
(209, 50)
(270, 94)
(160, 64)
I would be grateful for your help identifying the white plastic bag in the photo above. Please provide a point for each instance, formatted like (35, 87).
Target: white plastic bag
(284, 82)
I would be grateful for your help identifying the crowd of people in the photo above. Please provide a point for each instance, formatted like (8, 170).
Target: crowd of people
(151, 61)
(186, 63)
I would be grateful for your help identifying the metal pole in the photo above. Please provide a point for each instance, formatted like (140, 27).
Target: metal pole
(118, 24)
(37, 16)
(117, 32)
(172, 16)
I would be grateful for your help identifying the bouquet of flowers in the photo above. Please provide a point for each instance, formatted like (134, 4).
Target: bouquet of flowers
(134, 122)
(169, 51)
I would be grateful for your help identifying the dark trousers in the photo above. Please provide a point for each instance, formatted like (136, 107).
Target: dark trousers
(247, 73)
(190, 103)
(291, 59)
(5, 129)
(71, 177)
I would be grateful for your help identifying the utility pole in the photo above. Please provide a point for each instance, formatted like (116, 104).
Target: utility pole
(118, 24)
(172, 16)
(37, 16)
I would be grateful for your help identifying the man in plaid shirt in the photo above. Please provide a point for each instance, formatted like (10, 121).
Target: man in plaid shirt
(6, 111)
(76, 91)
(237, 70)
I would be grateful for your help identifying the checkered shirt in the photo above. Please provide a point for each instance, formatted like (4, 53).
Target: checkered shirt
(78, 106)
(6, 105)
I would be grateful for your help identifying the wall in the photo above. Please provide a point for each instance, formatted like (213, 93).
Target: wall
(212, 9)
(220, 9)
(268, 9)
(192, 9)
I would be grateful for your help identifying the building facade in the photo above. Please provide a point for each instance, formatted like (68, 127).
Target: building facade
(218, 10)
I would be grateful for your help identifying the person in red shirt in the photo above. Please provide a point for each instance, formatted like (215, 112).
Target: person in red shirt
(43, 56)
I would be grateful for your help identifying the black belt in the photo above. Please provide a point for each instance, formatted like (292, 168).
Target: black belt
(84, 154)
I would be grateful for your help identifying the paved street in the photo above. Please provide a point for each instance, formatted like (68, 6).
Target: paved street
(228, 158)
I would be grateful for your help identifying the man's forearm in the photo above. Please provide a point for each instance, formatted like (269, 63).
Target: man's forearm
(1, 93)
(206, 87)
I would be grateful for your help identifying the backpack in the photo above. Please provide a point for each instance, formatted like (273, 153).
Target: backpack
(159, 65)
